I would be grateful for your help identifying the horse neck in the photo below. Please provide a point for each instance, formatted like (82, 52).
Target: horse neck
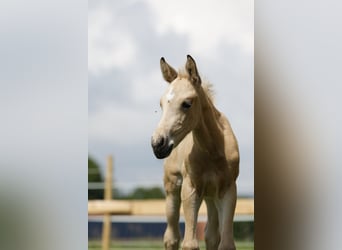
(208, 135)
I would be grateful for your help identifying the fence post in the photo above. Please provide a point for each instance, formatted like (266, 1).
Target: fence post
(106, 230)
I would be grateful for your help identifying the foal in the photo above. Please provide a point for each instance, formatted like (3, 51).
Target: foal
(202, 160)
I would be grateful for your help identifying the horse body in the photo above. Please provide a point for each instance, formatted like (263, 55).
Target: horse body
(202, 160)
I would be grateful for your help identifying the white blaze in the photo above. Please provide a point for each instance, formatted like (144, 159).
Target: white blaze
(170, 94)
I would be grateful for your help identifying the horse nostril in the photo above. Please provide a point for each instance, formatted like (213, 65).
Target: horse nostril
(161, 142)
(161, 147)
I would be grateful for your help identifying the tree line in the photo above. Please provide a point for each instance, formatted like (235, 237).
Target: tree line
(139, 193)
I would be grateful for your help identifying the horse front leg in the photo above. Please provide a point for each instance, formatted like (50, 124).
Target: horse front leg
(191, 204)
(172, 184)
(226, 209)
(212, 234)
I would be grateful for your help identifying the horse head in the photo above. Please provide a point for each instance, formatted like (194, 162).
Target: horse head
(180, 105)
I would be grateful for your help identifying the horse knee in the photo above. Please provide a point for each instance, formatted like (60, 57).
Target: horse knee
(172, 184)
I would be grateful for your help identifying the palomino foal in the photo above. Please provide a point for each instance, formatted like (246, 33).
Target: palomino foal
(202, 160)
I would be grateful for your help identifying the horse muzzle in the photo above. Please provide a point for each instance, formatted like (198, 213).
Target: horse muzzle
(162, 147)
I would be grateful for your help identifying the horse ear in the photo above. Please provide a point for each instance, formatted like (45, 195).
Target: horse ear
(191, 68)
(168, 72)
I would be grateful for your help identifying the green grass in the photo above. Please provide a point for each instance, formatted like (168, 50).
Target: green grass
(154, 245)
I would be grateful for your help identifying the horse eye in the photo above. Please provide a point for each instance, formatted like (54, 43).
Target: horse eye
(186, 104)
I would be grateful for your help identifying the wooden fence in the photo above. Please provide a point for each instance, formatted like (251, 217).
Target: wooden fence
(153, 207)
(108, 207)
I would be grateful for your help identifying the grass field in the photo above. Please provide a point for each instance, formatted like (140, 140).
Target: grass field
(154, 245)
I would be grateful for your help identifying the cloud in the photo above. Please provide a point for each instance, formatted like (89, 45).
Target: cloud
(120, 124)
(207, 23)
(149, 87)
(109, 44)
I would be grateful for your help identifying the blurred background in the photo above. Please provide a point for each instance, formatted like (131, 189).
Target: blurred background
(125, 43)
(44, 123)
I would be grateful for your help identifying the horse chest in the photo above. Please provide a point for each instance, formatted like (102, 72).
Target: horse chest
(209, 178)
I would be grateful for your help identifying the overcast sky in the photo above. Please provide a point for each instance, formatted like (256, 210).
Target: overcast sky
(125, 42)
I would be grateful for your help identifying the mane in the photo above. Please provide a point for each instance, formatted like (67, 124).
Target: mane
(206, 85)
